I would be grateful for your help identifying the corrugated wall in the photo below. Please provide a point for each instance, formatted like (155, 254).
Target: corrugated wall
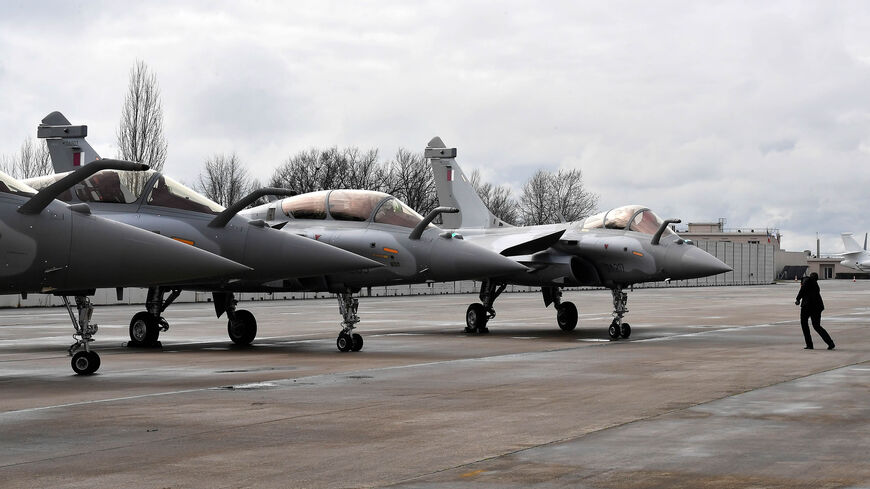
(752, 264)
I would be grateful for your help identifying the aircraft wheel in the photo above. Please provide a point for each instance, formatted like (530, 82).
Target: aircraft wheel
(625, 330)
(475, 319)
(344, 342)
(144, 329)
(85, 362)
(566, 316)
(357, 342)
(242, 328)
(613, 331)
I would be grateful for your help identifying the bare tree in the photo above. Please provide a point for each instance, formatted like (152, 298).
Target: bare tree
(549, 197)
(7, 164)
(411, 181)
(224, 179)
(407, 176)
(31, 160)
(140, 134)
(497, 198)
(571, 199)
(534, 201)
(363, 170)
(311, 170)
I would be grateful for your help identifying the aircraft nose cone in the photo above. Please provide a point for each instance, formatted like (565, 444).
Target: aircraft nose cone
(694, 262)
(106, 253)
(305, 257)
(456, 259)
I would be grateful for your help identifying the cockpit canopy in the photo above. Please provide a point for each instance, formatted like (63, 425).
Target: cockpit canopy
(351, 205)
(9, 185)
(126, 187)
(629, 217)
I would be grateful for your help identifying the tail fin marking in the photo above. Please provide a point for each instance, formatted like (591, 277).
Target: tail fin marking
(66, 143)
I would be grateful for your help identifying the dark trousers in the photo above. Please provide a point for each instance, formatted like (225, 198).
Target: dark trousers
(817, 325)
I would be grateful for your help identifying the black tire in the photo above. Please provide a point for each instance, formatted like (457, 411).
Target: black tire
(475, 318)
(85, 362)
(625, 330)
(96, 361)
(613, 331)
(344, 342)
(357, 342)
(144, 329)
(566, 316)
(242, 329)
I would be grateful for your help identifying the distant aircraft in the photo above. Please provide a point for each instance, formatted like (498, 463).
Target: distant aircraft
(613, 249)
(52, 248)
(156, 202)
(855, 257)
(381, 227)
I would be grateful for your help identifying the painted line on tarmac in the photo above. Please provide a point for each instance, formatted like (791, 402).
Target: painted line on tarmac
(100, 401)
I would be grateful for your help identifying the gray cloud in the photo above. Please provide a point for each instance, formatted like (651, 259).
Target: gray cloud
(753, 112)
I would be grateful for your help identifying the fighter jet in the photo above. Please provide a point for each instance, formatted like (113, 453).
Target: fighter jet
(155, 202)
(614, 249)
(378, 226)
(855, 257)
(53, 248)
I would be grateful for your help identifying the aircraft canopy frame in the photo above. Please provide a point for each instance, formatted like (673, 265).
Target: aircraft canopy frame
(635, 218)
(351, 205)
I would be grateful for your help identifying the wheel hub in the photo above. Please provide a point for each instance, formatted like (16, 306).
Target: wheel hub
(140, 330)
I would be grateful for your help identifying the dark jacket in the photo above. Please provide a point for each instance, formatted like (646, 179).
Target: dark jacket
(810, 296)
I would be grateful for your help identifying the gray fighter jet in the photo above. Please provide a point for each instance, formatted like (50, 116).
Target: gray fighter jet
(613, 249)
(378, 226)
(54, 248)
(157, 203)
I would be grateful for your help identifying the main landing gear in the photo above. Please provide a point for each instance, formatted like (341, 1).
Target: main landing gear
(617, 328)
(84, 360)
(566, 312)
(478, 314)
(146, 326)
(241, 324)
(347, 339)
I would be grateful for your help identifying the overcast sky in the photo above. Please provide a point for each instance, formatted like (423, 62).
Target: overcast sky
(758, 112)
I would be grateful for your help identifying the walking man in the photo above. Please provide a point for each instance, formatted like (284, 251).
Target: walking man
(810, 300)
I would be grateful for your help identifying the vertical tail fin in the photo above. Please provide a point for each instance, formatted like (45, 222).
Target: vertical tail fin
(455, 190)
(66, 143)
(850, 244)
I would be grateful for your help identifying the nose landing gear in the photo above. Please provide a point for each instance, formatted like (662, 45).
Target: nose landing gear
(617, 328)
(348, 340)
(84, 360)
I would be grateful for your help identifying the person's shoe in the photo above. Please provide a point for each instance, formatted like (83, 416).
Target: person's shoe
(808, 348)
(831, 347)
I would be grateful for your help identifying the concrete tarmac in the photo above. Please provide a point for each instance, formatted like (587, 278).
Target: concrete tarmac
(712, 390)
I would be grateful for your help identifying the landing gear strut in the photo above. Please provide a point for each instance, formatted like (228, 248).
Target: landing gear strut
(617, 328)
(145, 327)
(566, 312)
(347, 339)
(84, 361)
(241, 324)
(478, 314)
